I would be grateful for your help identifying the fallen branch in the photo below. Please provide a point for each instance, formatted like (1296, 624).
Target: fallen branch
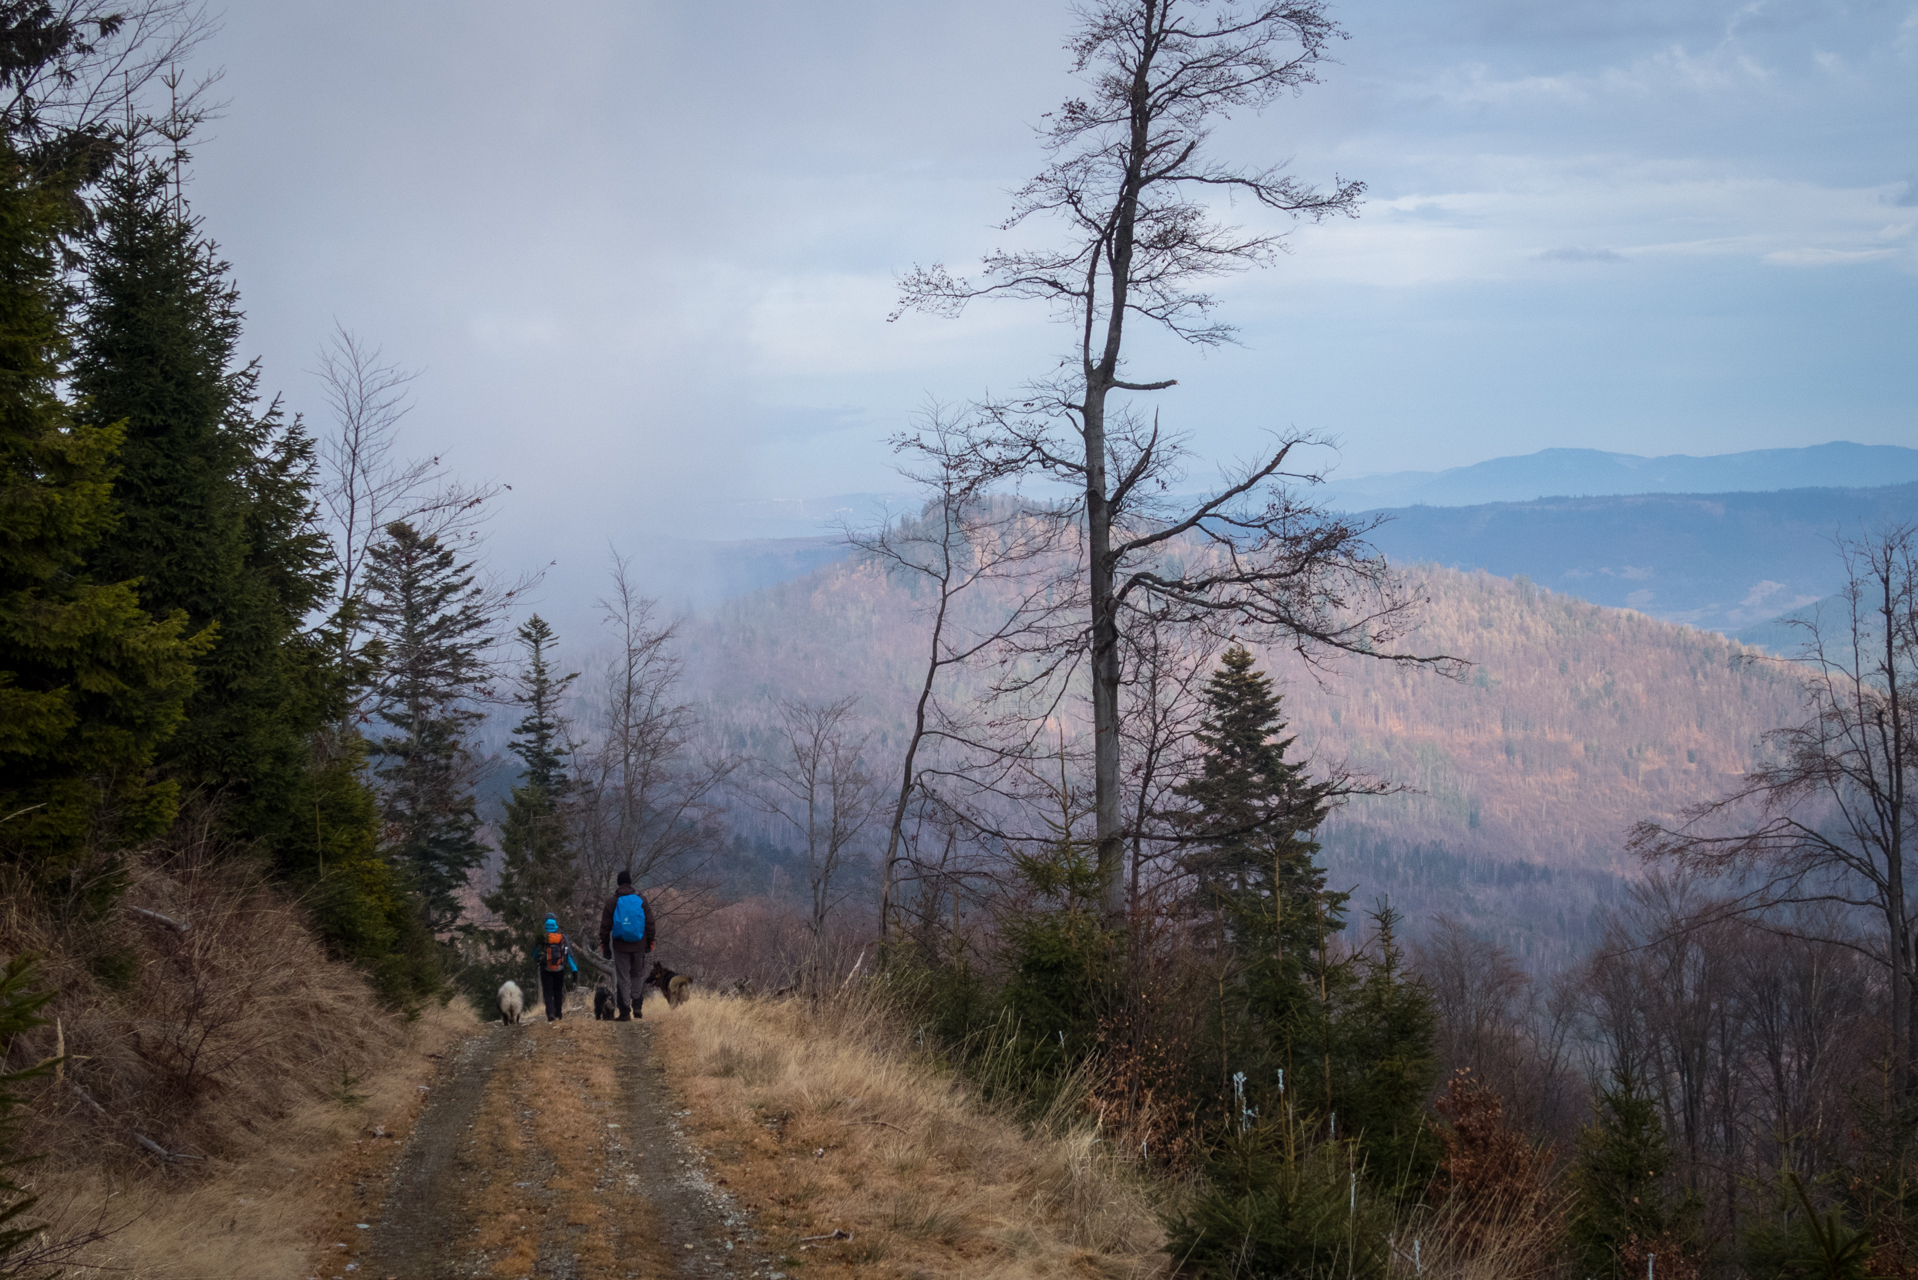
(141, 1138)
(178, 926)
(837, 1233)
(855, 967)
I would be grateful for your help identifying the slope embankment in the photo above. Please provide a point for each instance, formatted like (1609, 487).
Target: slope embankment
(858, 1155)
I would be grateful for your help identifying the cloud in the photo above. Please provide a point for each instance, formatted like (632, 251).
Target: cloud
(1761, 592)
(1827, 257)
(1580, 255)
(1587, 209)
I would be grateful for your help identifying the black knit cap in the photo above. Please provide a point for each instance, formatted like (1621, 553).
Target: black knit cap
(625, 877)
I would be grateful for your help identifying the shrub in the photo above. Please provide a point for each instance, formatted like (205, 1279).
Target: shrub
(1277, 1204)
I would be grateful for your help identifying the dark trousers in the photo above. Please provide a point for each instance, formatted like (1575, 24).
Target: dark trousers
(553, 987)
(629, 972)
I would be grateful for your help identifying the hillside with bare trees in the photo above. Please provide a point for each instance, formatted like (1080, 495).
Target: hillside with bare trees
(1519, 781)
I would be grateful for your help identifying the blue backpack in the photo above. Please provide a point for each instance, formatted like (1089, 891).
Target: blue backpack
(629, 918)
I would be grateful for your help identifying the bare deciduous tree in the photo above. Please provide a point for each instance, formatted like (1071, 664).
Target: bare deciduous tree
(1830, 819)
(367, 483)
(646, 797)
(1129, 178)
(821, 789)
(75, 67)
(1752, 1033)
(962, 538)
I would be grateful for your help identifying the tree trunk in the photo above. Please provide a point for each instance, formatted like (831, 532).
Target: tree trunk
(1904, 1029)
(1105, 664)
(905, 780)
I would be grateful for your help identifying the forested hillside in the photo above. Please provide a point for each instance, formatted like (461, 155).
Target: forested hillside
(1573, 722)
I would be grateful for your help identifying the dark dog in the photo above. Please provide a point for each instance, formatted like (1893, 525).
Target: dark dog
(674, 986)
(602, 1003)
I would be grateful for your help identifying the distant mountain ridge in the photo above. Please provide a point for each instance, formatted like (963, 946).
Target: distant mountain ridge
(1721, 561)
(1551, 473)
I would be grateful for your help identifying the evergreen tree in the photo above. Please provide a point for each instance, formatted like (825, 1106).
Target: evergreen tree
(1251, 855)
(1624, 1204)
(90, 684)
(430, 624)
(1254, 812)
(537, 873)
(217, 503)
(1385, 1057)
(1062, 963)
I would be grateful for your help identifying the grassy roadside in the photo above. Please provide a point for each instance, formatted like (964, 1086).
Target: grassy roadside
(823, 1120)
(259, 1214)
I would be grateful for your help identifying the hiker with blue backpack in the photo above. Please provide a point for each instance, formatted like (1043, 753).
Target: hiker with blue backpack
(554, 956)
(625, 936)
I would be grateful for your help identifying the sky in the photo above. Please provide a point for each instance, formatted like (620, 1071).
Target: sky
(642, 252)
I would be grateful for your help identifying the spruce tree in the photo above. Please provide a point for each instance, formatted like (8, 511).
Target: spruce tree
(90, 684)
(1254, 812)
(536, 873)
(1385, 1057)
(1251, 855)
(431, 628)
(1624, 1205)
(217, 507)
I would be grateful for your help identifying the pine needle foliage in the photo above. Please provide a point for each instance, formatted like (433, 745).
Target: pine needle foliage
(537, 873)
(1625, 1202)
(432, 627)
(91, 684)
(1276, 1202)
(216, 502)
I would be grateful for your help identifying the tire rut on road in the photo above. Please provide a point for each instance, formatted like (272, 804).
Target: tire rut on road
(419, 1225)
(552, 1150)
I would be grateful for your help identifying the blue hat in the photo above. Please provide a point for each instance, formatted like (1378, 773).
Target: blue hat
(552, 925)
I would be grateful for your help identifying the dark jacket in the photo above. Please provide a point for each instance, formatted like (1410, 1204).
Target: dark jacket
(620, 945)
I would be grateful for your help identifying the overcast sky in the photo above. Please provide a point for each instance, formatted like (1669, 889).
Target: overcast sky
(643, 252)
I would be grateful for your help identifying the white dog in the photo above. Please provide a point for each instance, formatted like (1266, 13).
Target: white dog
(510, 1002)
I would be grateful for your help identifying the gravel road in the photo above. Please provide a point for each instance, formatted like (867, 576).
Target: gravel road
(551, 1150)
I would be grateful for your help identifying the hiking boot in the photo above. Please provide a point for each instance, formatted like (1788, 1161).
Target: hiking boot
(624, 1016)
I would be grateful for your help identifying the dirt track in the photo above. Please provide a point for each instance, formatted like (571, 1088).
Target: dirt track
(549, 1150)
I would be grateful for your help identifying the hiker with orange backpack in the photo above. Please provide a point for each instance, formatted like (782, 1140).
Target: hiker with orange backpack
(556, 964)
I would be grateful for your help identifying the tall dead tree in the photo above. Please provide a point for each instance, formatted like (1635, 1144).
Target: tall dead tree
(1130, 179)
(1830, 818)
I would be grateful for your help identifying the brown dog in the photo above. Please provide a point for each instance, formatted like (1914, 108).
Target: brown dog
(674, 986)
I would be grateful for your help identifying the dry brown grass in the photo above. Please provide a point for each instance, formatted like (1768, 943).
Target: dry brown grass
(260, 1213)
(1513, 1241)
(824, 1119)
(235, 1044)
